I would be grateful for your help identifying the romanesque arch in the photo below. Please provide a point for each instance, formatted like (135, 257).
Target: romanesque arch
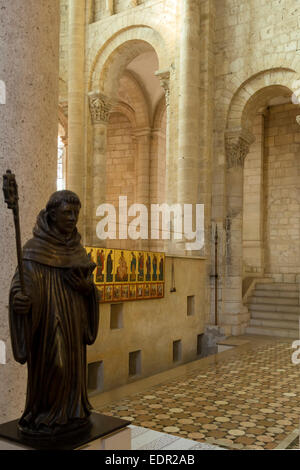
(250, 97)
(112, 58)
(257, 89)
(110, 84)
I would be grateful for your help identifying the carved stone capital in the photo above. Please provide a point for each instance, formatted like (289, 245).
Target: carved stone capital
(100, 106)
(164, 78)
(65, 140)
(64, 107)
(298, 119)
(237, 143)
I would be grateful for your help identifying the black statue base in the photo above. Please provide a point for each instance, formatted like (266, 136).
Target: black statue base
(100, 426)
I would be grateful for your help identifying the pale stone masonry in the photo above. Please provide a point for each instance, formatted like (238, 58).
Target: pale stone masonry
(282, 208)
(190, 101)
(226, 70)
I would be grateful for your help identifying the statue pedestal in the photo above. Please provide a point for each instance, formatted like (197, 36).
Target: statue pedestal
(105, 433)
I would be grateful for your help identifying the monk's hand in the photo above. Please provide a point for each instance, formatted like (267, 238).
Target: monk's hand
(78, 282)
(21, 303)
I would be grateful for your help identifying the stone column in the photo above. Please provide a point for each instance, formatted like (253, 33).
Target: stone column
(164, 77)
(158, 179)
(109, 7)
(76, 116)
(143, 175)
(189, 130)
(29, 48)
(253, 216)
(237, 144)
(100, 106)
(65, 158)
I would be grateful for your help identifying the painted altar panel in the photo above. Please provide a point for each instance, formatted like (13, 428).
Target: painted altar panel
(123, 275)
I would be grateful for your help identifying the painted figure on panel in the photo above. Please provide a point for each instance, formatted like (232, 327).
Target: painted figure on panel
(109, 267)
(148, 268)
(141, 267)
(161, 269)
(154, 266)
(53, 316)
(101, 293)
(91, 255)
(160, 290)
(153, 290)
(108, 293)
(140, 290)
(100, 266)
(117, 292)
(122, 274)
(132, 292)
(125, 292)
(146, 290)
(133, 267)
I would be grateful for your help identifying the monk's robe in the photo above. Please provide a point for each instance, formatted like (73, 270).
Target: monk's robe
(52, 337)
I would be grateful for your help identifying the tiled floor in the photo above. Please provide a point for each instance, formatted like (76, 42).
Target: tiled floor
(147, 439)
(245, 398)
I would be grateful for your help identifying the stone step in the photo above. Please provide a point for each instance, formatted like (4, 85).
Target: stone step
(273, 308)
(274, 293)
(275, 315)
(273, 300)
(271, 331)
(279, 286)
(283, 324)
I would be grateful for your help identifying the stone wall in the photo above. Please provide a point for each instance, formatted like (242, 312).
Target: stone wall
(255, 54)
(248, 51)
(151, 326)
(120, 168)
(282, 196)
(103, 8)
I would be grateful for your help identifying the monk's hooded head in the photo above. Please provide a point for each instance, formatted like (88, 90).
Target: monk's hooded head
(62, 211)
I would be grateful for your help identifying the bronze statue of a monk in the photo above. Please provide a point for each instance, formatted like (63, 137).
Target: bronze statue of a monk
(54, 320)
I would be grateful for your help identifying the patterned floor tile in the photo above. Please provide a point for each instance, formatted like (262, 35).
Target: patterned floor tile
(248, 401)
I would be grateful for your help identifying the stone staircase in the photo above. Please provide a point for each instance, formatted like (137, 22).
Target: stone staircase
(274, 310)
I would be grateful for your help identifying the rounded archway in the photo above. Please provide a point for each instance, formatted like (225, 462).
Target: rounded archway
(251, 169)
(132, 147)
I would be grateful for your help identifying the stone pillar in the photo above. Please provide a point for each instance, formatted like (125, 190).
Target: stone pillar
(189, 130)
(164, 77)
(109, 7)
(143, 175)
(237, 144)
(253, 214)
(29, 49)
(158, 178)
(100, 106)
(76, 116)
(65, 158)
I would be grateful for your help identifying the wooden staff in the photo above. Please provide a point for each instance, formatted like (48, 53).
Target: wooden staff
(216, 275)
(10, 190)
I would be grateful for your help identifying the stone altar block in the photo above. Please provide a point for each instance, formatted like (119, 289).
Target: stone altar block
(105, 433)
